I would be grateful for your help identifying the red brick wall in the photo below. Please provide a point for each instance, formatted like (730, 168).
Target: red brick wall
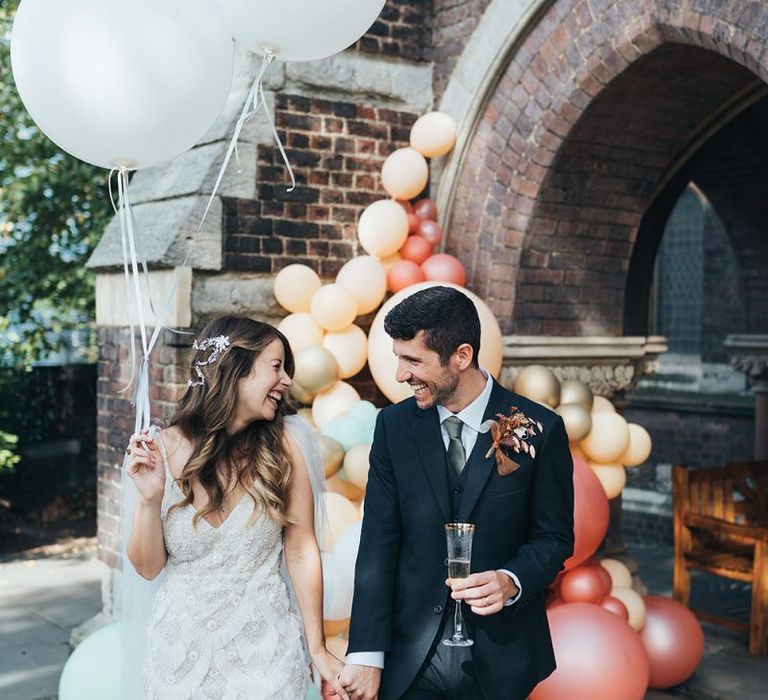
(169, 375)
(336, 150)
(401, 31)
(588, 115)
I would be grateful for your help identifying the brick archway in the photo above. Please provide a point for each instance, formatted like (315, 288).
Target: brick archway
(594, 113)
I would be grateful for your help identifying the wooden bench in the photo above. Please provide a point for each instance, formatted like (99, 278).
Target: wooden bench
(721, 527)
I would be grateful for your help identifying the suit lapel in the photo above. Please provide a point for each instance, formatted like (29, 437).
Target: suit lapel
(479, 467)
(429, 443)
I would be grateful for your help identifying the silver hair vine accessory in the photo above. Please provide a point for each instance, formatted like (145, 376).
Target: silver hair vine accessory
(219, 344)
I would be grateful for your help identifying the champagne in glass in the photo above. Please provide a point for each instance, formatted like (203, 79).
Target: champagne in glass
(459, 540)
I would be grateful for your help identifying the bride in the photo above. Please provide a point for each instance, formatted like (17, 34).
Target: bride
(224, 496)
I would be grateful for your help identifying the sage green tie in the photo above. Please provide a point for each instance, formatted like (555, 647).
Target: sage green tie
(456, 455)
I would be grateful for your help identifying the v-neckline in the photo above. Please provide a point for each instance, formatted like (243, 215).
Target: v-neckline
(205, 520)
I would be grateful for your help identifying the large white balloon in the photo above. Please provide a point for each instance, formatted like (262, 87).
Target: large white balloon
(119, 83)
(299, 30)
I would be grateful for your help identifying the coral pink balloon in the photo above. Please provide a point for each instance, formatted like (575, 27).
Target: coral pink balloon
(605, 577)
(615, 606)
(673, 640)
(405, 204)
(413, 223)
(582, 585)
(444, 268)
(403, 274)
(425, 209)
(599, 657)
(416, 249)
(431, 231)
(590, 512)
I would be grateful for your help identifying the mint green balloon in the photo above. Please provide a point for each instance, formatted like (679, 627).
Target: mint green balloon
(348, 430)
(92, 671)
(312, 693)
(365, 412)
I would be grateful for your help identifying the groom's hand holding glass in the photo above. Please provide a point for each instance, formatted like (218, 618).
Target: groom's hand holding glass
(486, 592)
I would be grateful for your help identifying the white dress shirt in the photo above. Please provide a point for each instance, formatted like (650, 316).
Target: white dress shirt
(472, 418)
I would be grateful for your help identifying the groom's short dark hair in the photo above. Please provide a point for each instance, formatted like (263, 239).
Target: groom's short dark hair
(447, 316)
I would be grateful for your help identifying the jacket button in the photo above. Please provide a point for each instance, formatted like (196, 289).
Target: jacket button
(457, 489)
(445, 561)
(437, 609)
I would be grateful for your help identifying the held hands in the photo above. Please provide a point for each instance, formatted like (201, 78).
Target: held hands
(330, 668)
(145, 466)
(485, 592)
(361, 682)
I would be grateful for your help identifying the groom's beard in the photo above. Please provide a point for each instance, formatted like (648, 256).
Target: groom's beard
(441, 391)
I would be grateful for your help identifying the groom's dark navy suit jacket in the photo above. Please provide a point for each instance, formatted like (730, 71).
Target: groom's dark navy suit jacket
(524, 523)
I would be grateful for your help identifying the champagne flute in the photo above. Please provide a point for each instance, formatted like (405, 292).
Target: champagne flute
(459, 539)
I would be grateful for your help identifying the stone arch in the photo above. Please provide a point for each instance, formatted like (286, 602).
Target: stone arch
(590, 119)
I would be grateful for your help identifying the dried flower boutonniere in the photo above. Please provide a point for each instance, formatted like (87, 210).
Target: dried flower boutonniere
(512, 431)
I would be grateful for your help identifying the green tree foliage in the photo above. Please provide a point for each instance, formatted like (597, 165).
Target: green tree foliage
(53, 209)
(7, 456)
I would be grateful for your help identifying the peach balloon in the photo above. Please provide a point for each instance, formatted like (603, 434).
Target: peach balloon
(333, 307)
(634, 604)
(413, 223)
(403, 274)
(615, 606)
(341, 513)
(382, 228)
(416, 249)
(301, 330)
(602, 405)
(425, 209)
(333, 628)
(613, 477)
(333, 403)
(295, 286)
(442, 267)
(607, 440)
(431, 231)
(387, 262)
(639, 448)
(619, 573)
(405, 204)
(383, 363)
(356, 464)
(405, 173)
(349, 347)
(339, 484)
(434, 134)
(316, 369)
(364, 277)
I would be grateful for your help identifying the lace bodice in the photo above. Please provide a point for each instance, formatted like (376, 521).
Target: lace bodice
(222, 624)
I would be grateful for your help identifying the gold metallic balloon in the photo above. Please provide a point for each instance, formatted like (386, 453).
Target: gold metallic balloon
(316, 369)
(574, 391)
(300, 394)
(578, 421)
(538, 383)
(332, 454)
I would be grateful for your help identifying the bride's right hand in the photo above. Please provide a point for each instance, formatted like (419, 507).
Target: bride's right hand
(145, 466)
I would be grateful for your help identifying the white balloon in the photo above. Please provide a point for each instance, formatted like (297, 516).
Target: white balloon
(299, 30)
(345, 550)
(337, 591)
(119, 83)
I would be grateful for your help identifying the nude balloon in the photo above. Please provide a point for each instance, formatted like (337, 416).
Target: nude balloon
(425, 209)
(333, 403)
(350, 348)
(434, 134)
(430, 231)
(333, 307)
(613, 477)
(607, 440)
(295, 286)
(301, 331)
(405, 173)
(365, 279)
(382, 228)
(639, 448)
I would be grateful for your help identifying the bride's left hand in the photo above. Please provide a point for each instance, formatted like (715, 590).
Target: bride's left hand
(329, 668)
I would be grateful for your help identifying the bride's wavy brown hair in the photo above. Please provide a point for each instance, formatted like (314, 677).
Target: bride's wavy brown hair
(256, 455)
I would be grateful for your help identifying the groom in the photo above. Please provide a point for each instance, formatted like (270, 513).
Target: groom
(429, 466)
